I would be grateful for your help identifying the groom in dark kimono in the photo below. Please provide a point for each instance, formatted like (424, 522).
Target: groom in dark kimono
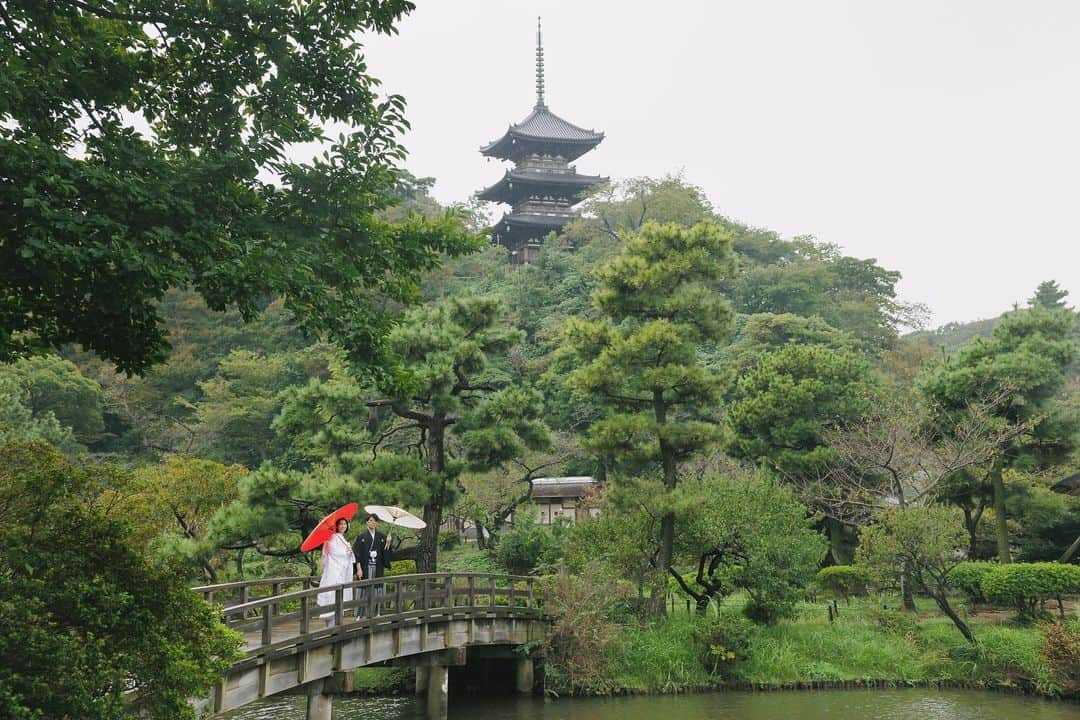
(372, 561)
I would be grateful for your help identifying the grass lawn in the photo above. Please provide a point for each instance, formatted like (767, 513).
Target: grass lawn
(864, 643)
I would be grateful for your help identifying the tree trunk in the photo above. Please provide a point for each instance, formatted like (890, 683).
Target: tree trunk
(663, 565)
(211, 574)
(943, 604)
(838, 549)
(428, 547)
(972, 527)
(907, 597)
(479, 533)
(427, 551)
(1070, 551)
(906, 594)
(667, 523)
(1001, 529)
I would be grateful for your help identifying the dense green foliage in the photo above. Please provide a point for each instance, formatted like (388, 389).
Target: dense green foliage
(745, 533)
(522, 548)
(1027, 586)
(783, 407)
(137, 140)
(925, 541)
(642, 357)
(967, 577)
(843, 580)
(1026, 363)
(88, 618)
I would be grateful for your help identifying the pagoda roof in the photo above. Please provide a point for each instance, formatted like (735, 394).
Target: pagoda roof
(543, 127)
(552, 221)
(570, 183)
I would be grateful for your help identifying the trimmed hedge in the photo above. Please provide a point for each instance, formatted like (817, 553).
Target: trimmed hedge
(843, 580)
(1026, 586)
(967, 577)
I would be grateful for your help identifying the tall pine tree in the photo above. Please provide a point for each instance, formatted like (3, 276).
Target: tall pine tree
(657, 307)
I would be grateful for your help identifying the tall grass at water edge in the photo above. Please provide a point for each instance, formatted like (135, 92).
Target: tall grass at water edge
(864, 644)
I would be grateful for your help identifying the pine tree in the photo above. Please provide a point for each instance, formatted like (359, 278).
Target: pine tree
(657, 307)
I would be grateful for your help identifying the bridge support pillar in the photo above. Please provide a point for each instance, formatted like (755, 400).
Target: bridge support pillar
(438, 687)
(524, 682)
(319, 704)
(421, 679)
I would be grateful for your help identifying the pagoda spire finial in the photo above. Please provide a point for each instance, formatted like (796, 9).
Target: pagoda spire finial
(539, 66)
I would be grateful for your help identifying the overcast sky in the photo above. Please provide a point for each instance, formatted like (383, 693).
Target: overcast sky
(941, 137)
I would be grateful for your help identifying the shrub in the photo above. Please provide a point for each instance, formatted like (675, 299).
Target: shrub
(402, 567)
(766, 612)
(843, 580)
(968, 577)
(1026, 586)
(526, 545)
(1061, 650)
(895, 622)
(582, 632)
(449, 539)
(91, 609)
(724, 640)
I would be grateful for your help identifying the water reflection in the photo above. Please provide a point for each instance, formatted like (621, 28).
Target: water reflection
(912, 704)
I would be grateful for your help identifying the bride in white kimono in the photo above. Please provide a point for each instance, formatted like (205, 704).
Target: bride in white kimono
(337, 561)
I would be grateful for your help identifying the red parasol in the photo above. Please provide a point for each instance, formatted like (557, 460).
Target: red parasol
(326, 527)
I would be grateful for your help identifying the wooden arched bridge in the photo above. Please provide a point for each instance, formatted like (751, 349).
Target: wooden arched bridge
(432, 621)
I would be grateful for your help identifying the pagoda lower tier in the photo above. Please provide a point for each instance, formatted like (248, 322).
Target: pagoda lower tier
(517, 186)
(522, 233)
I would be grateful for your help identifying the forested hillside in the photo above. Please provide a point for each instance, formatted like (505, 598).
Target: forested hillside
(282, 427)
(208, 344)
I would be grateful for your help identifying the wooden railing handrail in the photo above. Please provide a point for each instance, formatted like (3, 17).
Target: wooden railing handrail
(391, 579)
(314, 580)
(252, 583)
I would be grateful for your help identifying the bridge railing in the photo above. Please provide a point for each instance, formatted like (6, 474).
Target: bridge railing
(278, 619)
(245, 591)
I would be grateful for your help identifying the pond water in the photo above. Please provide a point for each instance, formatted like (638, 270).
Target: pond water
(908, 704)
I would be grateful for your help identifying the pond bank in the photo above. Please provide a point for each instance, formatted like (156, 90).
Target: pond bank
(894, 704)
(864, 647)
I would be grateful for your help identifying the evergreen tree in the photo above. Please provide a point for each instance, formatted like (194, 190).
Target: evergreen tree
(446, 407)
(643, 362)
(449, 380)
(1026, 359)
(1048, 295)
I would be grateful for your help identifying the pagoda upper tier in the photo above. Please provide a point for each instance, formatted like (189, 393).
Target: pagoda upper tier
(543, 187)
(543, 133)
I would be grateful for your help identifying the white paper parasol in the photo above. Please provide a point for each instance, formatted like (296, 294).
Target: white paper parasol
(396, 516)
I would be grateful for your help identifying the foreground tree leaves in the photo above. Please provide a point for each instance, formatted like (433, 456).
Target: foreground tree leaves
(92, 630)
(147, 145)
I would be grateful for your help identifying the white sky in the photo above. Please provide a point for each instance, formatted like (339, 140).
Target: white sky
(941, 137)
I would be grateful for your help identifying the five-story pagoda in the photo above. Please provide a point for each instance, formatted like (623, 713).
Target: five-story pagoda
(543, 187)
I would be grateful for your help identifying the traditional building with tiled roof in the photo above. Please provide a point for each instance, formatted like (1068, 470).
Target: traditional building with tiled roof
(543, 187)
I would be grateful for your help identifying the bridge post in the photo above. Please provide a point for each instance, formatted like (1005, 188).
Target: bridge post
(433, 678)
(524, 682)
(319, 704)
(438, 687)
